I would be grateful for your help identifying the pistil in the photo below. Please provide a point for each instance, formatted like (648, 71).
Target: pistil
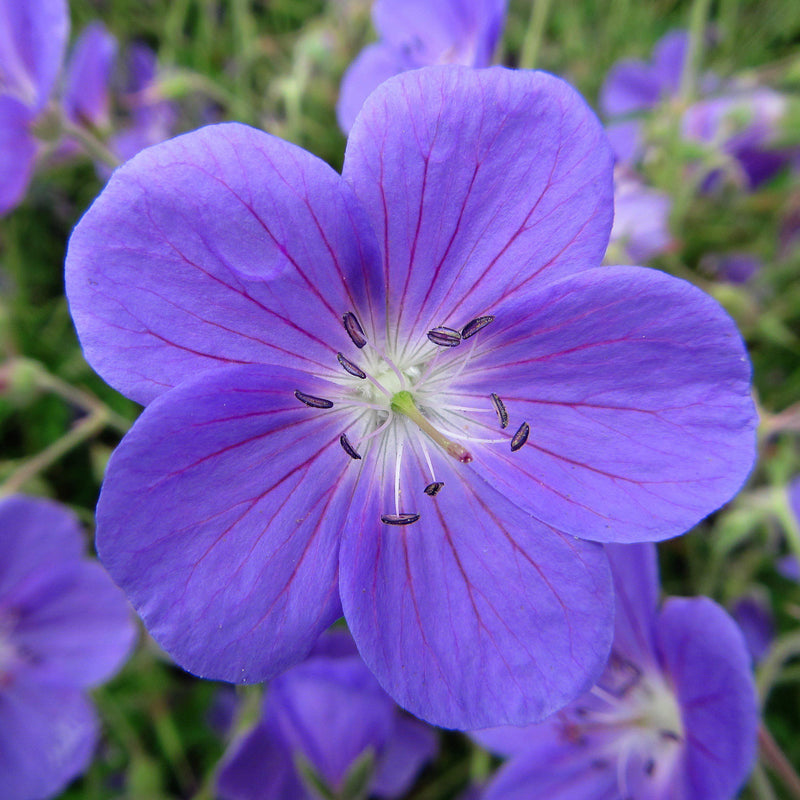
(403, 403)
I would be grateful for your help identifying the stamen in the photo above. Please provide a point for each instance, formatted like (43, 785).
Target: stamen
(354, 329)
(500, 408)
(310, 400)
(471, 328)
(671, 735)
(444, 337)
(348, 448)
(399, 519)
(520, 437)
(350, 367)
(432, 489)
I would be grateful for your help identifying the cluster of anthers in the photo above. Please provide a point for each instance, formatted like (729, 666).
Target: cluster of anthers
(415, 385)
(637, 716)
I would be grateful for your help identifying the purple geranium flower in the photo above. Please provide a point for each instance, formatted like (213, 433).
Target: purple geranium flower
(420, 33)
(329, 718)
(64, 627)
(674, 715)
(753, 615)
(33, 38)
(403, 393)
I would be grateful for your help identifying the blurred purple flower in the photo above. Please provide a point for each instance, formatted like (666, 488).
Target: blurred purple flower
(675, 714)
(753, 615)
(641, 220)
(789, 567)
(741, 122)
(634, 86)
(732, 267)
(64, 627)
(99, 80)
(326, 714)
(420, 33)
(86, 96)
(33, 38)
(405, 389)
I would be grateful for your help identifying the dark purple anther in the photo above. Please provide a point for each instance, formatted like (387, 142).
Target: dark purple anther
(432, 489)
(500, 408)
(354, 329)
(471, 328)
(444, 337)
(348, 448)
(310, 400)
(350, 367)
(399, 519)
(520, 437)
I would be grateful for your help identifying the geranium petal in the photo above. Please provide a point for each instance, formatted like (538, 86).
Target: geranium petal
(476, 614)
(47, 735)
(448, 31)
(224, 246)
(37, 534)
(17, 152)
(669, 58)
(332, 710)
(82, 630)
(33, 38)
(563, 771)
(410, 747)
(481, 184)
(373, 66)
(86, 95)
(220, 517)
(635, 386)
(634, 568)
(260, 767)
(705, 655)
(630, 86)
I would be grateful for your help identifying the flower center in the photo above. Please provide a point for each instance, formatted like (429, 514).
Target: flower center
(408, 399)
(641, 709)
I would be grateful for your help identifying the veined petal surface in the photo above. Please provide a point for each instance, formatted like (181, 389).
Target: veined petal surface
(476, 614)
(220, 517)
(635, 386)
(223, 246)
(480, 185)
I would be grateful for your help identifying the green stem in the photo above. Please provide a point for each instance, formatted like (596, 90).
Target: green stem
(691, 66)
(92, 146)
(775, 758)
(534, 35)
(87, 428)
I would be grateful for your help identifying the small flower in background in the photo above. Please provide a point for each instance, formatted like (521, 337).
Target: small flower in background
(641, 221)
(674, 715)
(420, 33)
(753, 615)
(327, 722)
(736, 121)
(115, 93)
(33, 39)
(44, 109)
(64, 627)
(425, 414)
(734, 267)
